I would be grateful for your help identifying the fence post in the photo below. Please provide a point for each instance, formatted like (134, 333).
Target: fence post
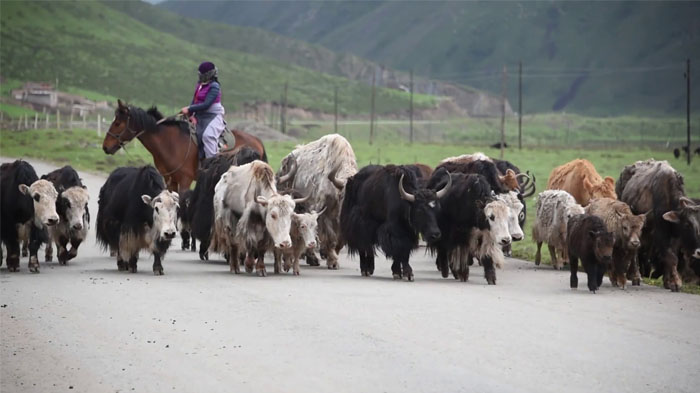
(335, 105)
(36, 120)
(371, 116)
(503, 112)
(58, 119)
(26, 121)
(47, 120)
(687, 105)
(520, 105)
(411, 109)
(70, 124)
(283, 113)
(99, 124)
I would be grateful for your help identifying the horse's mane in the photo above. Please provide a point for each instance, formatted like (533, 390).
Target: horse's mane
(147, 120)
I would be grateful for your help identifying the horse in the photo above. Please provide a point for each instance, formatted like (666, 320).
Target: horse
(174, 151)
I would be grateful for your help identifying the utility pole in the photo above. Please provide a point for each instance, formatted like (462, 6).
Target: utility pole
(503, 112)
(687, 105)
(411, 108)
(335, 105)
(371, 116)
(520, 105)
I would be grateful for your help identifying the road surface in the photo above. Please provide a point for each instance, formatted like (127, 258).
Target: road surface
(86, 327)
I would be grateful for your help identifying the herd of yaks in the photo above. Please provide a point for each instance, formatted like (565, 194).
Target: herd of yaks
(470, 207)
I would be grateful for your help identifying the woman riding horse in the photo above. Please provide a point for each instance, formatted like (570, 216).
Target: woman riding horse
(207, 109)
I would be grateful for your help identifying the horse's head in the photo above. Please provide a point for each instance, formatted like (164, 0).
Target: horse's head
(120, 131)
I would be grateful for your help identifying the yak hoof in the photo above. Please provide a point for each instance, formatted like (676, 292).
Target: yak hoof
(132, 269)
(13, 269)
(296, 273)
(261, 273)
(113, 253)
(397, 276)
(158, 271)
(410, 277)
(49, 258)
(25, 253)
(675, 288)
(636, 282)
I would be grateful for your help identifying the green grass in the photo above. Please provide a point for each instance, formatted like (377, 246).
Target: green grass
(15, 111)
(83, 149)
(90, 47)
(686, 288)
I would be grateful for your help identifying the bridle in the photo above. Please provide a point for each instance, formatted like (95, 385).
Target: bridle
(122, 144)
(118, 137)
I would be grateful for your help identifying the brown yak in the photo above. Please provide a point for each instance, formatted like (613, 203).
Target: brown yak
(580, 179)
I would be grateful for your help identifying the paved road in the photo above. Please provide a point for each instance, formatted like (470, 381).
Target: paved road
(199, 328)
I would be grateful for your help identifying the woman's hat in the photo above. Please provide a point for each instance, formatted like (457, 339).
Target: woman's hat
(206, 67)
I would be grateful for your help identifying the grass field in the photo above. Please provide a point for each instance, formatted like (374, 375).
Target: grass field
(83, 150)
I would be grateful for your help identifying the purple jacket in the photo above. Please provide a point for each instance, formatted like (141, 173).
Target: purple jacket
(205, 96)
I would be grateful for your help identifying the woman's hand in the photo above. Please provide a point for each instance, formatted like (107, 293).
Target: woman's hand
(185, 110)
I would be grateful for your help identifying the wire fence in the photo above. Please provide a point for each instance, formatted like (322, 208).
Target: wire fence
(469, 117)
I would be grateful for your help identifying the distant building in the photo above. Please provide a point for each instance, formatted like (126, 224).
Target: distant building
(44, 95)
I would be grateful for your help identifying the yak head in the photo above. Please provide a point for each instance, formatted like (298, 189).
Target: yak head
(604, 189)
(44, 196)
(72, 205)
(424, 207)
(687, 218)
(278, 217)
(603, 242)
(164, 207)
(307, 225)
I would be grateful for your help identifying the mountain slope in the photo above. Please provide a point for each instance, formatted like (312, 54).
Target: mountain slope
(292, 51)
(589, 57)
(91, 46)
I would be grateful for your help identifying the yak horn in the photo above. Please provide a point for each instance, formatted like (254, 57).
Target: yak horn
(290, 174)
(404, 194)
(302, 200)
(337, 183)
(321, 211)
(445, 189)
(531, 187)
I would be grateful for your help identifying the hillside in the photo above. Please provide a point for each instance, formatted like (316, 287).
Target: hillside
(93, 47)
(315, 57)
(596, 58)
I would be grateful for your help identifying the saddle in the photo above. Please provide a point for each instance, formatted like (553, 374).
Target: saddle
(227, 140)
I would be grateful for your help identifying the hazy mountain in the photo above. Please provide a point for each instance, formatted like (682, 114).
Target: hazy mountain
(589, 57)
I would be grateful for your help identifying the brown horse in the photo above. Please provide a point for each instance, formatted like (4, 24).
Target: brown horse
(174, 152)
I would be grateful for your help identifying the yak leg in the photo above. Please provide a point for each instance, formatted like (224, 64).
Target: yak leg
(573, 265)
(538, 254)
(249, 262)
(36, 237)
(185, 235)
(553, 255)
(442, 262)
(122, 265)
(367, 263)
(311, 258)
(157, 266)
(62, 250)
(331, 257)
(13, 250)
(633, 273)
(672, 280)
(132, 263)
(48, 252)
(489, 269)
(232, 259)
(295, 263)
(277, 254)
(204, 249)
(260, 266)
(74, 244)
(592, 273)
